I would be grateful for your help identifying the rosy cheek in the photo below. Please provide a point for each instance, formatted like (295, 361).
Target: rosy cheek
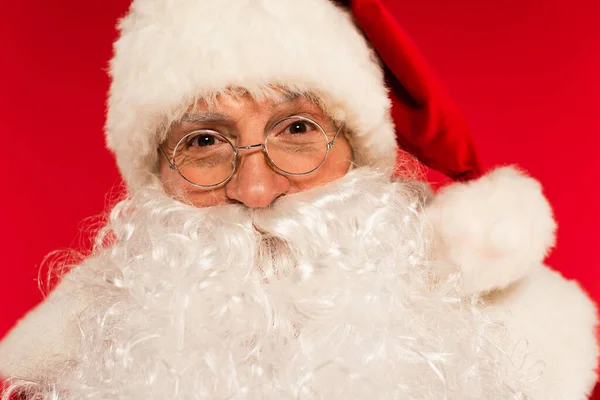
(339, 159)
(178, 188)
(337, 165)
(202, 198)
(207, 199)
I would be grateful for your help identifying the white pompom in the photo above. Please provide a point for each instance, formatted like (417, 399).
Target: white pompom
(494, 229)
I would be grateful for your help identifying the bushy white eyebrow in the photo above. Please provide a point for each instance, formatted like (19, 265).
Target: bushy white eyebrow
(200, 117)
(211, 116)
(286, 97)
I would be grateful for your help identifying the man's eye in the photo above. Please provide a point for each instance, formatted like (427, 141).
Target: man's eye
(204, 140)
(300, 127)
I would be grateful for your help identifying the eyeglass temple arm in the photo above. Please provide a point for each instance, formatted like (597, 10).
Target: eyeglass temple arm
(330, 144)
(171, 165)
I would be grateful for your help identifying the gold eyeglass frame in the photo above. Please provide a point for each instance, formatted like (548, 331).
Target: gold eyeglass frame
(236, 149)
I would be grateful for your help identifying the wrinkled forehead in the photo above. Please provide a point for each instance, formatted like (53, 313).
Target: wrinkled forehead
(236, 103)
(268, 98)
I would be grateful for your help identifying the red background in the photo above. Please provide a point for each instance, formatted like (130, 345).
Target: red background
(525, 74)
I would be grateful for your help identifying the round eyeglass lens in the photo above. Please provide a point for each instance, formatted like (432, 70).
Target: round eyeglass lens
(204, 158)
(297, 145)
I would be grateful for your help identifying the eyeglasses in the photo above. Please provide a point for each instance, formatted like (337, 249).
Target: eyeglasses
(295, 146)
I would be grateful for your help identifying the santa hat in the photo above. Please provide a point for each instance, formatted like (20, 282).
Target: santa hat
(171, 54)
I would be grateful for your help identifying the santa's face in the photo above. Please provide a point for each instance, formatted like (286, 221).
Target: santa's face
(244, 121)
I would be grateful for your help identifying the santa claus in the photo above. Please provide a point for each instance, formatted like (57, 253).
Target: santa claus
(270, 248)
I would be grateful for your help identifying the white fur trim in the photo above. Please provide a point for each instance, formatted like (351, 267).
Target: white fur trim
(494, 229)
(171, 53)
(45, 336)
(553, 320)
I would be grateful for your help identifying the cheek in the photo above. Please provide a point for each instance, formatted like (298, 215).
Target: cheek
(168, 177)
(179, 188)
(340, 157)
(337, 165)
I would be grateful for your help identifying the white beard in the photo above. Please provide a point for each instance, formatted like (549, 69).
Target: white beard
(327, 294)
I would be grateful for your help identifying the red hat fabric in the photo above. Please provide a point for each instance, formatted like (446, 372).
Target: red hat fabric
(428, 124)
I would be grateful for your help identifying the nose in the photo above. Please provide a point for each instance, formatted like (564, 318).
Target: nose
(255, 184)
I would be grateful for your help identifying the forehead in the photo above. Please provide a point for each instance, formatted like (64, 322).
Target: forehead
(234, 105)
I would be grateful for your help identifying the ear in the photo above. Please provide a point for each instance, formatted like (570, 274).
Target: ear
(492, 230)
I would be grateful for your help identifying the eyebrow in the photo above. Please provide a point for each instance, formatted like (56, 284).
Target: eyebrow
(210, 116)
(205, 117)
(286, 97)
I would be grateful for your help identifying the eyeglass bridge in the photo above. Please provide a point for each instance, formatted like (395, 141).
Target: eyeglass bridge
(250, 146)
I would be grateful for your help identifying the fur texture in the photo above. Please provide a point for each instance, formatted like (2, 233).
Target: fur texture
(328, 294)
(172, 53)
(557, 322)
(493, 230)
(495, 233)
